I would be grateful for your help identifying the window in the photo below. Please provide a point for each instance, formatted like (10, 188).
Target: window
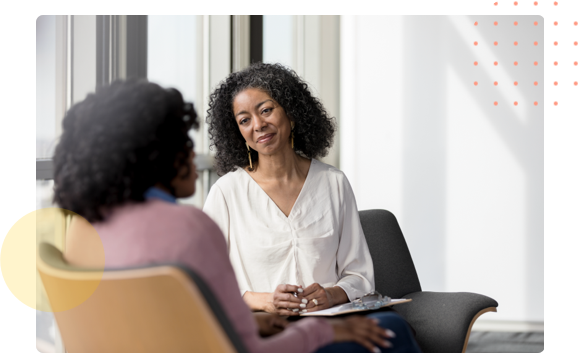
(175, 59)
(45, 86)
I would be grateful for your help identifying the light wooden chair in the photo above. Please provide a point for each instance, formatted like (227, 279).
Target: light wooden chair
(163, 308)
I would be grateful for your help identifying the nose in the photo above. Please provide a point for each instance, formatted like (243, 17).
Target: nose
(259, 123)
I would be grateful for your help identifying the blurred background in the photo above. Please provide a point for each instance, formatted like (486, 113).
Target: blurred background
(440, 121)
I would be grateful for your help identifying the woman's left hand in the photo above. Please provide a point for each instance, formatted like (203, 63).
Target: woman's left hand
(320, 298)
(269, 324)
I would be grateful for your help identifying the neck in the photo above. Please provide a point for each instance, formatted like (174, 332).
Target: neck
(281, 166)
(162, 188)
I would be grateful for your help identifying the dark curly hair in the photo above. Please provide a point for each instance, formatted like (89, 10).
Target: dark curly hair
(117, 143)
(314, 128)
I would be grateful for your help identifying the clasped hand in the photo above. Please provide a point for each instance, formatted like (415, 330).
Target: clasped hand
(292, 300)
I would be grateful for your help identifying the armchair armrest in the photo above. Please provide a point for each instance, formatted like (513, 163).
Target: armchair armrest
(443, 320)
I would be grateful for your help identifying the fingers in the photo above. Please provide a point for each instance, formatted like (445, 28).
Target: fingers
(370, 335)
(311, 289)
(286, 312)
(277, 321)
(319, 295)
(286, 297)
(289, 288)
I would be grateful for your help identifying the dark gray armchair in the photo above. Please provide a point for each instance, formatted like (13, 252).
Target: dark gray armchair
(442, 321)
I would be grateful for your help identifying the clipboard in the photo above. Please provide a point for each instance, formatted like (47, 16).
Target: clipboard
(348, 308)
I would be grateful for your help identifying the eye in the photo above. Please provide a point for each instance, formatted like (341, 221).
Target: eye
(267, 110)
(243, 121)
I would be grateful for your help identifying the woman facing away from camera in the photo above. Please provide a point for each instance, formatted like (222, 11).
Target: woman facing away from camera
(123, 159)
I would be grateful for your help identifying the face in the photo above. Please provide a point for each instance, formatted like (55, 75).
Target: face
(185, 187)
(262, 121)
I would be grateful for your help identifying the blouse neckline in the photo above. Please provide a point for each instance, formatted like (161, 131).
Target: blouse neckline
(306, 182)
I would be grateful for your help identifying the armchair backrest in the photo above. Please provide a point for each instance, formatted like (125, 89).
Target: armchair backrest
(162, 308)
(395, 273)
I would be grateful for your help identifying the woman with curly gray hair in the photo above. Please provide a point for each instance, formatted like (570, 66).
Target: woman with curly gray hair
(290, 221)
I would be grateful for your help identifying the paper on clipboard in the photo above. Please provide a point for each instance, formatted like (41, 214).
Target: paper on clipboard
(348, 308)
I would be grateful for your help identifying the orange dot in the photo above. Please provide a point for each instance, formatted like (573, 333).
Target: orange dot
(575, 63)
(515, 3)
(535, 3)
(535, 103)
(555, 43)
(495, 83)
(535, 43)
(555, 3)
(495, 63)
(575, 83)
(475, 43)
(475, 24)
(515, 23)
(475, 63)
(495, 3)
(515, 63)
(555, 103)
(494, 103)
(555, 23)
(555, 63)
(494, 43)
(515, 43)
(575, 23)
(475, 83)
(535, 63)
(575, 43)
(495, 23)
(555, 83)
(515, 83)
(515, 103)
(535, 23)
(535, 83)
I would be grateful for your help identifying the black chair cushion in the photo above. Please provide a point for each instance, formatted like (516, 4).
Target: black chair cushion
(395, 273)
(443, 319)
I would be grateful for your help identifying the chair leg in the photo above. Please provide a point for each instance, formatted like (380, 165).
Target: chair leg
(486, 310)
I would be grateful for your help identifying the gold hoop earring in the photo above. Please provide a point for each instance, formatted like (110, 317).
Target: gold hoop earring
(292, 126)
(249, 156)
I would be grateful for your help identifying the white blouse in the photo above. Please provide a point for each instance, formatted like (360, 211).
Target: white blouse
(320, 241)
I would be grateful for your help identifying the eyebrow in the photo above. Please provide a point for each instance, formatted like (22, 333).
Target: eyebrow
(256, 107)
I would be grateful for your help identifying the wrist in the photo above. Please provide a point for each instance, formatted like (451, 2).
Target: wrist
(260, 301)
(336, 295)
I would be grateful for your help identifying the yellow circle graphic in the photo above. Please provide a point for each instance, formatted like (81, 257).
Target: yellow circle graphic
(52, 259)
(18, 264)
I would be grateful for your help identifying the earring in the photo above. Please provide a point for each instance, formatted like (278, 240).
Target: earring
(249, 156)
(292, 126)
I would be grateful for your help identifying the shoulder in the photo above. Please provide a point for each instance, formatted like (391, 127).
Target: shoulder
(178, 215)
(229, 182)
(326, 172)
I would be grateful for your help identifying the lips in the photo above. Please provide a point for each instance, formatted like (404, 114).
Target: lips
(265, 138)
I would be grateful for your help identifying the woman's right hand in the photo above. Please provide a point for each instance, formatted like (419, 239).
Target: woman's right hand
(284, 302)
(363, 331)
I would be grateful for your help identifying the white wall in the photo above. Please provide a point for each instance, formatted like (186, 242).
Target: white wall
(464, 177)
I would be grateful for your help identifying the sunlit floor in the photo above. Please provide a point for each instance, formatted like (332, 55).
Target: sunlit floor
(479, 342)
(505, 342)
(45, 332)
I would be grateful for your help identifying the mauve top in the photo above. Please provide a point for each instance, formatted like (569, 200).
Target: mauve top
(157, 231)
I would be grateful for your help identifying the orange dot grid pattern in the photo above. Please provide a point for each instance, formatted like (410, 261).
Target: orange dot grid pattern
(496, 63)
(534, 3)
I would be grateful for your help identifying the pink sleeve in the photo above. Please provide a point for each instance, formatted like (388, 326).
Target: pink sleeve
(205, 252)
